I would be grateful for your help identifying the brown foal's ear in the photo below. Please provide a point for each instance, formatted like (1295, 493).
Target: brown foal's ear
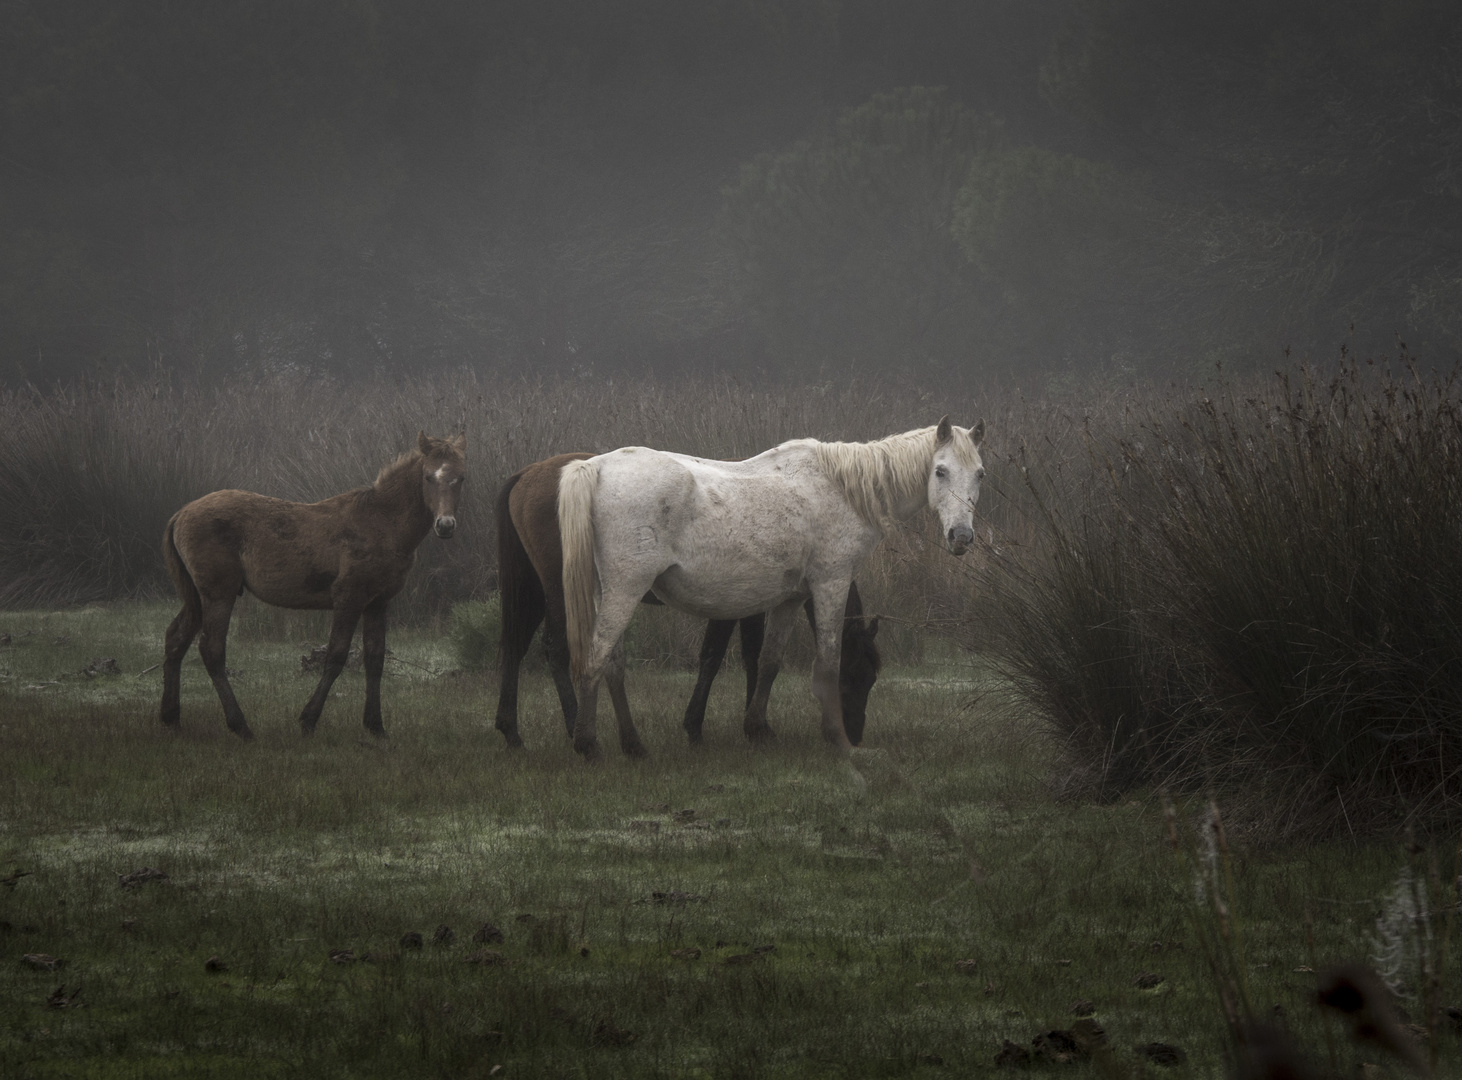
(873, 627)
(945, 432)
(977, 433)
(423, 442)
(460, 442)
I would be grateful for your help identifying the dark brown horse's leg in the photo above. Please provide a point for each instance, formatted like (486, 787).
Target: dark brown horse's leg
(629, 738)
(753, 634)
(213, 646)
(342, 629)
(511, 660)
(522, 605)
(514, 647)
(373, 649)
(778, 626)
(556, 649)
(713, 651)
(180, 635)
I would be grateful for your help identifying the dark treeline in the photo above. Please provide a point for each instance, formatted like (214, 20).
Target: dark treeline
(962, 187)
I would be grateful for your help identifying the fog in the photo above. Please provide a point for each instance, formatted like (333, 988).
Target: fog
(946, 190)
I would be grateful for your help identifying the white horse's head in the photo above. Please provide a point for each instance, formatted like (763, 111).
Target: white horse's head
(954, 482)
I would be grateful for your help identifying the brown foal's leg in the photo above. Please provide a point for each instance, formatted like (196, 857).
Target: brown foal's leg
(180, 635)
(373, 646)
(213, 646)
(342, 629)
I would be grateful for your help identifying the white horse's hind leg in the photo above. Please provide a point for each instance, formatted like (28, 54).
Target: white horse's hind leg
(609, 625)
(629, 738)
(828, 602)
(779, 625)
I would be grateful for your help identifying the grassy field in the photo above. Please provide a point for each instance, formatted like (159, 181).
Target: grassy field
(829, 900)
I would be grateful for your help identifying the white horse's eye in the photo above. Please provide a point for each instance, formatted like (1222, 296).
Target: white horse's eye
(980, 473)
(941, 472)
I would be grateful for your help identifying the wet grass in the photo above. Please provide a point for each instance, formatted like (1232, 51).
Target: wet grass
(938, 843)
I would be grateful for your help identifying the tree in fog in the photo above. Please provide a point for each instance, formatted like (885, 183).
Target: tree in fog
(843, 242)
(965, 186)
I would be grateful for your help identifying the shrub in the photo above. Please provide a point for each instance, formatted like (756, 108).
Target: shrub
(474, 628)
(1258, 591)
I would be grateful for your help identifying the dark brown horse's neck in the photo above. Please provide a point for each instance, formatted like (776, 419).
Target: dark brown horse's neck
(396, 495)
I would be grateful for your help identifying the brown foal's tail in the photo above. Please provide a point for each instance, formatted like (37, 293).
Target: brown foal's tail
(517, 581)
(576, 483)
(182, 580)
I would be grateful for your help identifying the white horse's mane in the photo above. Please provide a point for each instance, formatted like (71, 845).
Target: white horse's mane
(877, 476)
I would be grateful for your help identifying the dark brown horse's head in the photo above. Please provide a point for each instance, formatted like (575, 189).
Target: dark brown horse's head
(858, 669)
(443, 468)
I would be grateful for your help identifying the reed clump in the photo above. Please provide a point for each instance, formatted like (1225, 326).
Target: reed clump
(90, 474)
(1255, 590)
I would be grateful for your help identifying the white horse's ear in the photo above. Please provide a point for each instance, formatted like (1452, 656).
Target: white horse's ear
(977, 433)
(422, 442)
(945, 432)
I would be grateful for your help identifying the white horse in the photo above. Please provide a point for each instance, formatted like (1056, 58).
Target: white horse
(728, 539)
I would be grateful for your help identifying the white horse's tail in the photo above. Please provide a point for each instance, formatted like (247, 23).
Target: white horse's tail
(576, 483)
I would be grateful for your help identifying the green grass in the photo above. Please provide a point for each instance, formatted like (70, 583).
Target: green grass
(942, 841)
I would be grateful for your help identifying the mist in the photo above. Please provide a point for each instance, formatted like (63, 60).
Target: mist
(953, 191)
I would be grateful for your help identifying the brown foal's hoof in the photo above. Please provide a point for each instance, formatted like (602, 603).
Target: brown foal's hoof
(760, 736)
(244, 732)
(634, 750)
(590, 751)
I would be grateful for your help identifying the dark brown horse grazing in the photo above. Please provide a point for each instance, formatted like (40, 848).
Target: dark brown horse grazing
(530, 577)
(860, 663)
(349, 553)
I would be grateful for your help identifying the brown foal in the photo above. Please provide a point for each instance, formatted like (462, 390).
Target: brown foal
(348, 554)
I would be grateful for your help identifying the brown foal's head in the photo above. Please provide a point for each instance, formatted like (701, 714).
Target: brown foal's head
(443, 469)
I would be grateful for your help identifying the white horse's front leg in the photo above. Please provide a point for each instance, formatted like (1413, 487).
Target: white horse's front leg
(828, 602)
(779, 625)
(609, 625)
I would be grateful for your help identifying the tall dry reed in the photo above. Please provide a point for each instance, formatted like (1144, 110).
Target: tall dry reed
(1256, 589)
(90, 475)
